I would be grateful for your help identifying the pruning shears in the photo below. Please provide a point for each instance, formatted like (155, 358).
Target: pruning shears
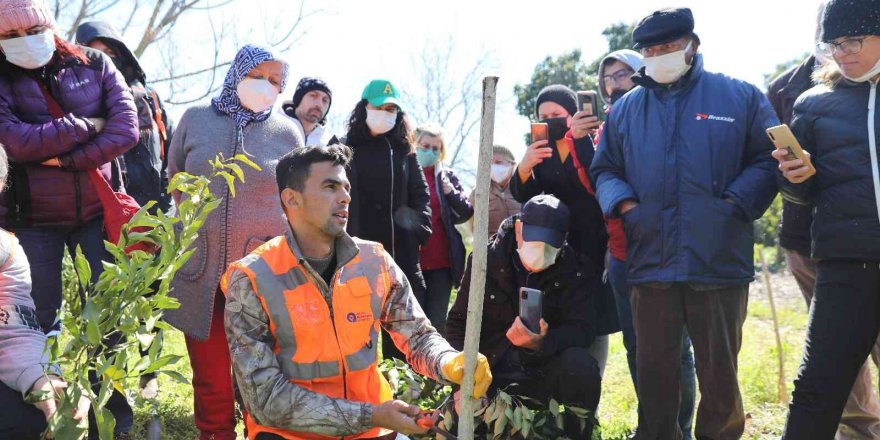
(428, 419)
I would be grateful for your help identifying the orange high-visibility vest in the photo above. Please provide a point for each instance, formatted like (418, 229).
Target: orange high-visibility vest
(331, 353)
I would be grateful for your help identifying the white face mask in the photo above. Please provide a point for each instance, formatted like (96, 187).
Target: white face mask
(256, 95)
(31, 51)
(500, 173)
(537, 255)
(874, 71)
(667, 69)
(380, 121)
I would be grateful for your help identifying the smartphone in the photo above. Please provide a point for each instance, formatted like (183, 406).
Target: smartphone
(784, 139)
(530, 308)
(540, 132)
(587, 102)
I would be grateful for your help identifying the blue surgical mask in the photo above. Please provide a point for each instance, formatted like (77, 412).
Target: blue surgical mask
(427, 158)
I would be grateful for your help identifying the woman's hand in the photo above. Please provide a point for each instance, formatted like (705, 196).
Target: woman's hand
(55, 386)
(795, 171)
(583, 124)
(535, 154)
(99, 123)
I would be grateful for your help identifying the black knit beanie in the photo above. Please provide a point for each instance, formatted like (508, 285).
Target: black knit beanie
(850, 18)
(559, 94)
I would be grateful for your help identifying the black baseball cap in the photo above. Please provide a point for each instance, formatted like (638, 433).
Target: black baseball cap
(545, 218)
(664, 26)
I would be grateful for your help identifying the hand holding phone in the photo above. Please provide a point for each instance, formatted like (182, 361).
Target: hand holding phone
(536, 152)
(530, 308)
(788, 150)
(587, 102)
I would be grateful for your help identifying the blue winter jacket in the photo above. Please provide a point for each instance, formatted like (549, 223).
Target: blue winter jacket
(680, 151)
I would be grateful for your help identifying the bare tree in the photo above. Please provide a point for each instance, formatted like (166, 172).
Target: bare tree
(154, 21)
(449, 98)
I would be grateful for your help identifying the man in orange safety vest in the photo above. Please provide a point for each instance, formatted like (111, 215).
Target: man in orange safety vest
(303, 313)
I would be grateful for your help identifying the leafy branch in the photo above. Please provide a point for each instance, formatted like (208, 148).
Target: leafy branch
(127, 302)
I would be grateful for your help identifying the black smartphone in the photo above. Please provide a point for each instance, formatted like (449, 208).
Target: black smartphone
(587, 102)
(530, 308)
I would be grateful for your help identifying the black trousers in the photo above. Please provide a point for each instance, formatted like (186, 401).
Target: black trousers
(571, 378)
(844, 323)
(19, 420)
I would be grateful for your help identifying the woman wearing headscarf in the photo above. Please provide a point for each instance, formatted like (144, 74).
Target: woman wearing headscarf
(837, 122)
(389, 195)
(239, 121)
(50, 204)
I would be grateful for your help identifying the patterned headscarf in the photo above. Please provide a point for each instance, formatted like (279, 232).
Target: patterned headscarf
(248, 57)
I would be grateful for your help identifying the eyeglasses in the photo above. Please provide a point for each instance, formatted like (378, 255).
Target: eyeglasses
(850, 46)
(617, 77)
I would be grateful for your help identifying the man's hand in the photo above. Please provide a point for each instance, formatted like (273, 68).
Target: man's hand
(626, 206)
(583, 124)
(795, 171)
(397, 416)
(55, 386)
(522, 337)
(99, 123)
(535, 154)
(454, 372)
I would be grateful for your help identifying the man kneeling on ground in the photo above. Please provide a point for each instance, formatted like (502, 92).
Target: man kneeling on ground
(303, 313)
(530, 250)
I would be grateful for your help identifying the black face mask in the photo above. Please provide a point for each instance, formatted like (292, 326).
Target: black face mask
(127, 70)
(616, 95)
(556, 127)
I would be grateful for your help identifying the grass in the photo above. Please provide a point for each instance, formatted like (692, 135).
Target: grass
(617, 412)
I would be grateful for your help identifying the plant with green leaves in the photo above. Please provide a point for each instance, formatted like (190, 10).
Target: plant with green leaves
(127, 302)
(506, 416)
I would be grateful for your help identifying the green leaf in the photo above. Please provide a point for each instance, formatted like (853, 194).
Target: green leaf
(244, 159)
(176, 376)
(168, 359)
(236, 169)
(106, 423)
(83, 271)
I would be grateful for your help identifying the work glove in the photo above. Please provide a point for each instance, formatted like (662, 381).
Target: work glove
(454, 372)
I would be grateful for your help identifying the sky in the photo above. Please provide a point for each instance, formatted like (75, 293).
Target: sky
(350, 42)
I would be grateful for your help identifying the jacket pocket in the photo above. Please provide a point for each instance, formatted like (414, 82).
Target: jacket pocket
(195, 266)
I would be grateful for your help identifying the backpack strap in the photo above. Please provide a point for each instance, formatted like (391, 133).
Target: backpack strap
(160, 122)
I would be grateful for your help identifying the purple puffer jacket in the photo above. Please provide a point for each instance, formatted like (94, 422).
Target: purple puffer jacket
(43, 196)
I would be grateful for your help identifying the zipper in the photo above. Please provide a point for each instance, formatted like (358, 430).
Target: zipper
(872, 144)
(316, 278)
(391, 205)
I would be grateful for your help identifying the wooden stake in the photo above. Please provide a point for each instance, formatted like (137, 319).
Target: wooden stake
(781, 388)
(478, 268)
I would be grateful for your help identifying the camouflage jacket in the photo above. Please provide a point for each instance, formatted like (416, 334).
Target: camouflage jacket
(272, 400)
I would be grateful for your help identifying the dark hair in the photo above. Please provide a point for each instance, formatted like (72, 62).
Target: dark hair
(358, 131)
(293, 169)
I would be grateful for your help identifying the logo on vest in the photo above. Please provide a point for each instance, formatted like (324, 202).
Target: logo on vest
(708, 117)
(358, 317)
(80, 83)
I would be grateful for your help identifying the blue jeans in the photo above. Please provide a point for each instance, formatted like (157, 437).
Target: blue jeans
(44, 248)
(617, 277)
